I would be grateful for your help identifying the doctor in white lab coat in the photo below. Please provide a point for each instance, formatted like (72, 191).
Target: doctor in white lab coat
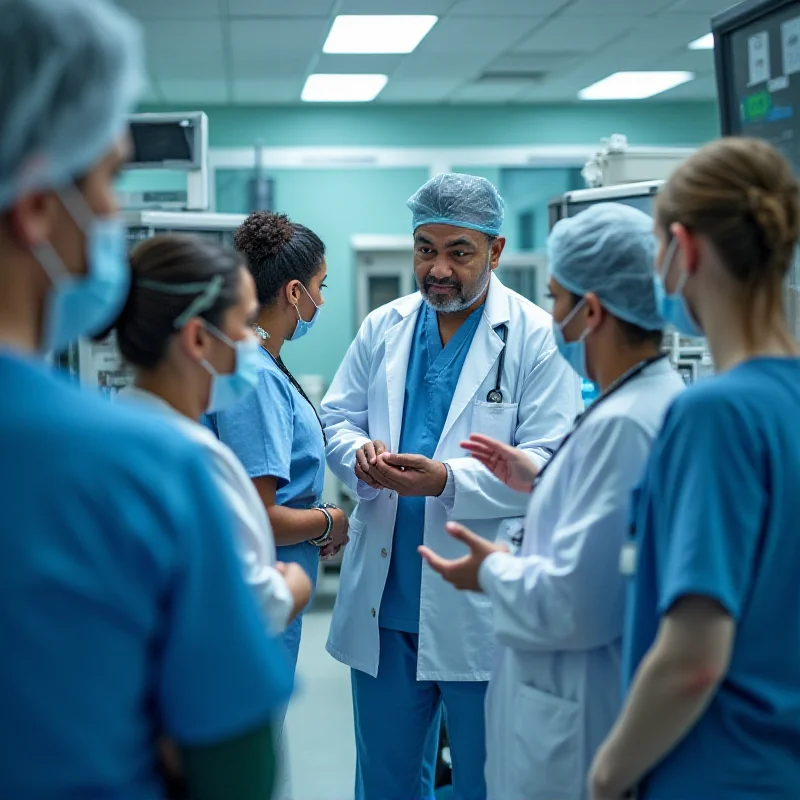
(465, 354)
(559, 604)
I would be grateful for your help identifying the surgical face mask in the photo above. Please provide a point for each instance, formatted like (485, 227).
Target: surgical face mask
(83, 305)
(227, 390)
(303, 327)
(673, 307)
(574, 353)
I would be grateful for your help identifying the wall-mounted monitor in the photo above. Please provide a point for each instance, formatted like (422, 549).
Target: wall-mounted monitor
(637, 195)
(177, 141)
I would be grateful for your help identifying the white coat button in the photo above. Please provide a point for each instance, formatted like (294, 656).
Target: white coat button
(372, 612)
(384, 553)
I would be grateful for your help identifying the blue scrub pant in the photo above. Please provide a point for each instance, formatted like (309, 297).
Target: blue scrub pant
(397, 726)
(307, 556)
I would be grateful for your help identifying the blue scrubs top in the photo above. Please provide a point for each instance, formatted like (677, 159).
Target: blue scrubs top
(431, 380)
(123, 611)
(275, 432)
(718, 516)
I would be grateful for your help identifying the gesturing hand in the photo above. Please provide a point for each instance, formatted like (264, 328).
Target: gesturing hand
(366, 461)
(463, 572)
(411, 475)
(506, 463)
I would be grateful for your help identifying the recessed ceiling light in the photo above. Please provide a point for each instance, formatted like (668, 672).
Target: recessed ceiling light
(343, 88)
(634, 85)
(389, 33)
(703, 43)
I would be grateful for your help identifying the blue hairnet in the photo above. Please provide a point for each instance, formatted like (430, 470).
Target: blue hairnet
(464, 201)
(70, 72)
(610, 250)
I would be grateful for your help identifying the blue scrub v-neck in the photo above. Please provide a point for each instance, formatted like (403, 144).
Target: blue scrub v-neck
(433, 373)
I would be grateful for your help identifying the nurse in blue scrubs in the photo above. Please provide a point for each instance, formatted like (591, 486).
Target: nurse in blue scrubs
(275, 431)
(123, 613)
(713, 632)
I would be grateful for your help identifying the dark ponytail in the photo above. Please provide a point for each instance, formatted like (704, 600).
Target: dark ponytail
(173, 275)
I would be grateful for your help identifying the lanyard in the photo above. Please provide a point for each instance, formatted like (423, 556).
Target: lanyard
(623, 380)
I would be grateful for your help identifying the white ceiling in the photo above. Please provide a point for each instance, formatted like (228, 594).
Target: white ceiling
(480, 51)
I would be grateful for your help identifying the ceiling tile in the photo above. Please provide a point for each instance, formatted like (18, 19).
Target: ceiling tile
(267, 91)
(709, 7)
(275, 48)
(278, 8)
(433, 90)
(664, 34)
(583, 34)
(437, 7)
(424, 66)
(628, 8)
(535, 62)
(336, 64)
(194, 91)
(491, 92)
(199, 56)
(171, 9)
(479, 36)
(507, 8)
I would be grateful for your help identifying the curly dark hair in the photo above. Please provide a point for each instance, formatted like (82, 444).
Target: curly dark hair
(278, 251)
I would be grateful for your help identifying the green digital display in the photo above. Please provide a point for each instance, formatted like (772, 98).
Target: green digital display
(756, 107)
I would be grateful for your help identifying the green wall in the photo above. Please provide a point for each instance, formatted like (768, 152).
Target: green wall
(339, 203)
(335, 204)
(676, 124)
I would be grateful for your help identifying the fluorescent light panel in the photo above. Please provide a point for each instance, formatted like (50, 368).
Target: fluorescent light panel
(322, 88)
(390, 33)
(703, 43)
(634, 85)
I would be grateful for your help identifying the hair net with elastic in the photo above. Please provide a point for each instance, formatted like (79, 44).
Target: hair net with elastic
(70, 73)
(464, 201)
(610, 250)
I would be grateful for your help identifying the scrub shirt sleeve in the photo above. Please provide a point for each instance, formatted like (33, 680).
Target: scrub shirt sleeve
(709, 502)
(549, 403)
(258, 428)
(345, 415)
(219, 674)
(575, 599)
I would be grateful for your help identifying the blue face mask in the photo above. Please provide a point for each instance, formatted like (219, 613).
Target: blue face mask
(83, 305)
(574, 353)
(303, 327)
(227, 390)
(673, 307)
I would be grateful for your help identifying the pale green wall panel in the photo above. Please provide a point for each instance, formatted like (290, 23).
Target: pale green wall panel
(335, 204)
(460, 126)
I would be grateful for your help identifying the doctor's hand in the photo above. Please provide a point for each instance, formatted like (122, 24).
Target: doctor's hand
(463, 572)
(411, 475)
(508, 464)
(366, 461)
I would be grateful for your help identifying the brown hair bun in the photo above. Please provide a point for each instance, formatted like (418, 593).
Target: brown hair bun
(263, 234)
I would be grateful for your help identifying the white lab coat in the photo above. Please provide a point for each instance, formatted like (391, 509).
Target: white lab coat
(253, 535)
(559, 605)
(365, 402)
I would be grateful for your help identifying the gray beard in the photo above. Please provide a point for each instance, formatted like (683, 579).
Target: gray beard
(458, 304)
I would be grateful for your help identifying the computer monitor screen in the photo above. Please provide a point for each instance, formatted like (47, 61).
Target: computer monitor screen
(758, 73)
(644, 202)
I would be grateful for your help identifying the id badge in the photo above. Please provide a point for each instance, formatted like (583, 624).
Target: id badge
(627, 558)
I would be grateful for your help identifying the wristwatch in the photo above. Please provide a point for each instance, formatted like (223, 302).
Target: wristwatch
(321, 541)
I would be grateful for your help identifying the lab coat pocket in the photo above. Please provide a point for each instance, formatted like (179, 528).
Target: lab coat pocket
(498, 420)
(546, 762)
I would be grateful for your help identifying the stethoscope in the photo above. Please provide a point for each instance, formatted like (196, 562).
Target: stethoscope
(630, 375)
(496, 395)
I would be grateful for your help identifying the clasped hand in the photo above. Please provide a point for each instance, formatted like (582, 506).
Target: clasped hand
(408, 475)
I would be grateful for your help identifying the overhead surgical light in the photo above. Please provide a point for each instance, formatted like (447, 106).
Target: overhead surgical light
(634, 85)
(354, 88)
(372, 33)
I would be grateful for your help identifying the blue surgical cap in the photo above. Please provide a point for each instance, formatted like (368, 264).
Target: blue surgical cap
(70, 73)
(464, 201)
(610, 250)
